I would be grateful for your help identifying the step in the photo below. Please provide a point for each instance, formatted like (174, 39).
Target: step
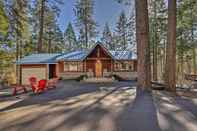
(99, 80)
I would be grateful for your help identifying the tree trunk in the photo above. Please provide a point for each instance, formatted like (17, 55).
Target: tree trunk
(17, 56)
(21, 49)
(155, 62)
(40, 42)
(143, 47)
(155, 44)
(170, 71)
(125, 41)
(49, 45)
(192, 35)
(86, 35)
(194, 60)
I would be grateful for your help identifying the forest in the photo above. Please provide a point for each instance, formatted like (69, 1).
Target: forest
(30, 26)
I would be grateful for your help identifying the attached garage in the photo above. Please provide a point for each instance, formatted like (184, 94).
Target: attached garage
(41, 66)
(39, 71)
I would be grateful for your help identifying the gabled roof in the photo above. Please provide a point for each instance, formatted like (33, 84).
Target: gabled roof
(38, 59)
(80, 55)
(102, 46)
(72, 56)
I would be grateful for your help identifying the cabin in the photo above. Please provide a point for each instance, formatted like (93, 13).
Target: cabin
(97, 62)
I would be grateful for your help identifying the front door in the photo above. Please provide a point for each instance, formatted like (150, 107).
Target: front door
(52, 71)
(98, 68)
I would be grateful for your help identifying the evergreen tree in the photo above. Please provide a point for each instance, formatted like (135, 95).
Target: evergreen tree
(70, 38)
(157, 23)
(58, 40)
(107, 37)
(43, 22)
(84, 10)
(3, 21)
(41, 8)
(121, 30)
(131, 32)
(115, 40)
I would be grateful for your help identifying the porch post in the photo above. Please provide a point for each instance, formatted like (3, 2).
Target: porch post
(57, 69)
(111, 66)
(85, 67)
(47, 71)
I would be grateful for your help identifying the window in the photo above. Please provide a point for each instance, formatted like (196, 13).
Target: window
(66, 67)
(73, 66)
(124, 66)
(131, 66)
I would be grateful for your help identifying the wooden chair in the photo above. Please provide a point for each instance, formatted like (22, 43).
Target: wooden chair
(17, 88)
(42, 85)
(193, 80)
(33, 83)
(37, 87)
(52, 83)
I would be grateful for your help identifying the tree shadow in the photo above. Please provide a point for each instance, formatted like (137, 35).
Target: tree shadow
(172, 115)
(92, 115)
(139, 116)
(60, 93)
(187, 104)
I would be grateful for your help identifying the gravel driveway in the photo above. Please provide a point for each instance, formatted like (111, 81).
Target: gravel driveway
(75, 106)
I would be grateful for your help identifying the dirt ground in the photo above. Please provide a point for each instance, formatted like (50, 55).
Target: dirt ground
(75, 106)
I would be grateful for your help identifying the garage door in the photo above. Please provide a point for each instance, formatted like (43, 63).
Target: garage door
(38, 72)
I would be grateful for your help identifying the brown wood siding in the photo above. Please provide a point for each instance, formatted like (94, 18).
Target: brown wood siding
(98, 54)
(106, 64)
(61, 66)
(33, 66)
(90, 65)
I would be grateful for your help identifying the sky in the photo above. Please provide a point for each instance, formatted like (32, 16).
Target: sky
(104, 11)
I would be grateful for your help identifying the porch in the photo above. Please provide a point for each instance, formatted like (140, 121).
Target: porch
(106, 75)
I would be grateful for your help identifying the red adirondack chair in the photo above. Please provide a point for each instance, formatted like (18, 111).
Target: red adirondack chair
(42, 84)
(33, 83)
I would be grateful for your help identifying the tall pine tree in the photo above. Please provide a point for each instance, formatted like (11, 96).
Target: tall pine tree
(121, 30)
(41, 8)
(84, 10)
(131, 32)
(107, 37)
(70, 38)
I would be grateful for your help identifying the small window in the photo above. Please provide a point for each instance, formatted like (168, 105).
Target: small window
(73, 67)
(116, 66)
(123, 65)
(66, 67)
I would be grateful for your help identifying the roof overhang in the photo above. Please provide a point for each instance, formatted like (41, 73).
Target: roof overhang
(102, 46)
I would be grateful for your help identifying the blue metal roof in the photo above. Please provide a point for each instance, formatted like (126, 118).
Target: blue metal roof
(38, 59)
(124, 55)
(74, 56)
(81, 55)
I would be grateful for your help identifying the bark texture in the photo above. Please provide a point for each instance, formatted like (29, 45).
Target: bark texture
(143, 47)
(40, 39)
(170, 72)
